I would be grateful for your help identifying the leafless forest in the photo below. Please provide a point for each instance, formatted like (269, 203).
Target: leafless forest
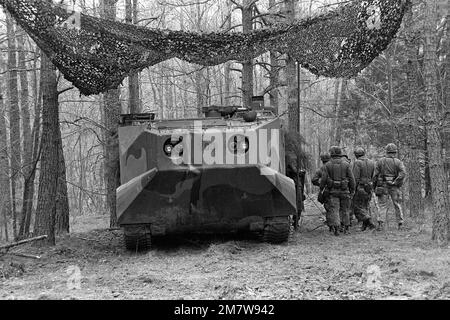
(402, 98)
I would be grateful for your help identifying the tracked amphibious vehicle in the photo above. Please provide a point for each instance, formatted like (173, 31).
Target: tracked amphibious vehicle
(221, 173)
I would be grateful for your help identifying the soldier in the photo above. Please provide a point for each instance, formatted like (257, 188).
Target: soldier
(340, 183)
(299, 180)
(363, 170)
(323, 197)
(389, 176)
(351, 213)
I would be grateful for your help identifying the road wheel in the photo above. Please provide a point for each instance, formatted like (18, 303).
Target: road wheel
(277, 229)
(137, 238)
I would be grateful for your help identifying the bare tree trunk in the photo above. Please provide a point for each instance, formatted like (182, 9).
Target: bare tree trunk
(340, 85)
(427, 175)
(111, 108)
(80, 176)
(184, 99)
(274, 80)
(440, 196)
(199, 91)
(199, 75)
(274, 74)
(37, 92)
(227, 83)
(291, 78)
(413, 134)
(247, 65)
(26, 130)
(62, 201)
(169, 96)
(446, 88)
(5, 189)
(228, 64)
(133, 79)
(48, 179)
(111, 105)
(14, 116)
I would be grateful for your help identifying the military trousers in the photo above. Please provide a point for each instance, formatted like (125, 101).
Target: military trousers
(361, 203)
(392, 193)
(339, 209)
(326, 206)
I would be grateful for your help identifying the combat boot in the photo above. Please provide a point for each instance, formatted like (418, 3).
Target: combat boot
(364, 225)
(347, 230)
(336, 231)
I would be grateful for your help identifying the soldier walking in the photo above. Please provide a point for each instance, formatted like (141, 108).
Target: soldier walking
(298, 175)
(323, 197)
(363, 170)
(389, 177)
(338, 179)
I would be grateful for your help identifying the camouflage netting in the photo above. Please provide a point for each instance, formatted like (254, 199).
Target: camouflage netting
(98, 54)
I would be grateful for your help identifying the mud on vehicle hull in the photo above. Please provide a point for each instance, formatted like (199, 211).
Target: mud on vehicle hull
(207, 200)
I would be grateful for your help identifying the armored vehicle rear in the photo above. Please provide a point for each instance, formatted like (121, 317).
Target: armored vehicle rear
(221, 173)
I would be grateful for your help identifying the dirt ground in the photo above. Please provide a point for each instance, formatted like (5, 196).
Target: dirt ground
(312, 265)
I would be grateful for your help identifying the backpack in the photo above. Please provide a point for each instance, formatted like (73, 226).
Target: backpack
(338, 182)
(365, 182)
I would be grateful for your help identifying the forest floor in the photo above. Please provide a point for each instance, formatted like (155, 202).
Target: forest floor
(312, 265)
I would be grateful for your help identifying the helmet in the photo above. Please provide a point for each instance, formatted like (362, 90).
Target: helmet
(391, 148)
(335, 151)
(325, 157)
(359, 152)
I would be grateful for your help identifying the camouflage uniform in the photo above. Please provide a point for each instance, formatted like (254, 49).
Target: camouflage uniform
(363, 170)
(351, 205)
(315, 180)
(338, 179)
(389, 176)
(299, 179)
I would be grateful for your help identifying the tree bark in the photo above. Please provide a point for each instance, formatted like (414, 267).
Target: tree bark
(14, 116)
(26, 131)
(228, 64)
(291, 77)
(274, 75)
(199, 76)
(247, 65)
(274, 80)
(446, 87)
(441, 205)
(199, 91)
(413, 134)
(133, 79)
(48, 178)
(62, 201)
(37, 92)
(5, 189)
(111, 109)
(427, 175)
(336, 132)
